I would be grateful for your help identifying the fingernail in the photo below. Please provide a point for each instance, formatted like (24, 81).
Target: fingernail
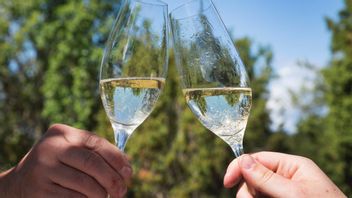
(126, 172)
(247, 161)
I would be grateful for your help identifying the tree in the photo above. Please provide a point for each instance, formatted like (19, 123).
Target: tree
(49, 73)
(327, 137)
(338, 78)
(20, 76)
(259, 69)
(175, 156)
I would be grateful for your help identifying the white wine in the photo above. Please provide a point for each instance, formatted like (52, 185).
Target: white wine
(129, 101)
(224, 111)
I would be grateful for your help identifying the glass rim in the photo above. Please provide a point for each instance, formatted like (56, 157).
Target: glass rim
(184, 5)
(152, 2)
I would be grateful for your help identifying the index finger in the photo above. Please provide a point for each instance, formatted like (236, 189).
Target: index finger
(274, 161)
(283, 164)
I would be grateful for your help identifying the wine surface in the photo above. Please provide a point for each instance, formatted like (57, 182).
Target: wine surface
(129, 101)
(224, 111)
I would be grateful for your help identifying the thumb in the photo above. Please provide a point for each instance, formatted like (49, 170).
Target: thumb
(263, 179)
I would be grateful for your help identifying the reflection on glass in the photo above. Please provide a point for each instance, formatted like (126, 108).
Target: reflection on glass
(134, 65)
(214, 79)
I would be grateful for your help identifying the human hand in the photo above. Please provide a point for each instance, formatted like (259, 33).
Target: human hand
(68, 162)
(279, 175)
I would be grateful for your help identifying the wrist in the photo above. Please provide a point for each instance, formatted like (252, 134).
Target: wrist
(6, 183)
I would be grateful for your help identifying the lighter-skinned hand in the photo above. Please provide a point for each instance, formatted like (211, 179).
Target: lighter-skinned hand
(279, 175)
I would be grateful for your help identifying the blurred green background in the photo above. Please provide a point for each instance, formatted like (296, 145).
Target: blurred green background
(49, 64)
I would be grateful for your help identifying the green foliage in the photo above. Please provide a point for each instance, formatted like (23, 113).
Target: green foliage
(20, 76)
(51, 51)
(173, 153)
(327, 138)
(73, 62)
(48, 72)
(338, 78)
(175, 156)
(258, 128)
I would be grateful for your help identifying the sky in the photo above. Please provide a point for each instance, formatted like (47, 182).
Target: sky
(295, 30)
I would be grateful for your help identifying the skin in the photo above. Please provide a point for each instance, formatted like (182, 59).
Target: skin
(68, 162)
(268, 174)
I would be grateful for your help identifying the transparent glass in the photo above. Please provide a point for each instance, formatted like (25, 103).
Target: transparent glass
(214, 79)
(134, 65)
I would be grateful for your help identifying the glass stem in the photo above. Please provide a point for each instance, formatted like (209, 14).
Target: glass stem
(237, 149)
(121, 133)
(121, 137)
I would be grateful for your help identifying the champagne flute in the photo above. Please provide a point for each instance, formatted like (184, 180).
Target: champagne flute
(134, 65)
(214, 79)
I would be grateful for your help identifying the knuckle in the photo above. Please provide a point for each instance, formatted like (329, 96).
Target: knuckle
(94, 142)
(59, 131)
(55, 128)
(307, 160)
(264, 179)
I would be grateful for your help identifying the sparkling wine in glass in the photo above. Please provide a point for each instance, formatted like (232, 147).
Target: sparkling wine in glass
(214, 79)
(134, 65)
